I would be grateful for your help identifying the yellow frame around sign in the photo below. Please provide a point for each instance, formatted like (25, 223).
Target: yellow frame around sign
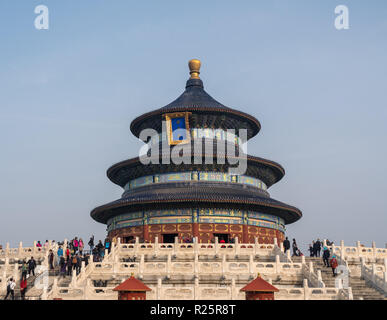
(168, 118)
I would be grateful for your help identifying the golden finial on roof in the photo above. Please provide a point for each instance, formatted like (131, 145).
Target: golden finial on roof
(194, 68)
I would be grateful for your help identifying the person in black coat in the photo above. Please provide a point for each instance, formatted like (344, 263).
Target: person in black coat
(86, 259)
(286, 244)
(326, 255)
(311, 250)
(100, 248)
(31, 266)
(317, 248)
(69, 266)
(78, 264)
(51, 260)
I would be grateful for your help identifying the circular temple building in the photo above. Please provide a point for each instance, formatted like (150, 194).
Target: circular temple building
(187, 186)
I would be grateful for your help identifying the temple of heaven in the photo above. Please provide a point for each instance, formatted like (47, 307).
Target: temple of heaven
(187, 187)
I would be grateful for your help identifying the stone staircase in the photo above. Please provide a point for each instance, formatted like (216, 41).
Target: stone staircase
(360, 289)
(34, 293)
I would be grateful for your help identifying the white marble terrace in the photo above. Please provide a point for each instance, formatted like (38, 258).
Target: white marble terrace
(200, 271)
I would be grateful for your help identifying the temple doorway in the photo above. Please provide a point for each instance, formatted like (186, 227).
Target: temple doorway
(128, 239)
(169, 237)
(222, 236)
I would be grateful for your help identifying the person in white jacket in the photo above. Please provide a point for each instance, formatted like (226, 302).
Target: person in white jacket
(11, 289)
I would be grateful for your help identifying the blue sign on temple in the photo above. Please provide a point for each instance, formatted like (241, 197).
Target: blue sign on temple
(178, 129)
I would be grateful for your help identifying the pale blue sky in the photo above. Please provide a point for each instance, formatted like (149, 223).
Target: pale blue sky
(68, 95)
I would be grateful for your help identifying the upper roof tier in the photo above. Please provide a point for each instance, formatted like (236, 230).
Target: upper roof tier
(206, 111)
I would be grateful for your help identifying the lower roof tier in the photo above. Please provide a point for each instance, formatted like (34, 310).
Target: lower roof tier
(196, 194)
(195, 215)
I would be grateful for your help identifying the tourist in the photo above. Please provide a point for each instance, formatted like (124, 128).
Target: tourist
(76, 245)
(317, 248)
(24, 269)
(46, 245)
(70, 246)
(39, 245)
(59, 253)
(31, 266)
(100, 247)
(86, 258)
(10, 289)
(311, 251)
(286, 244)
(80, 246)
(326, 255)
(314, 248)
(69, 266)
(295, 248)
(74, 261)
(334, 265)
(67, 253)
(107, 244)
(95, 254)
(51, 259)
(78, 264)
(62, 265)
(23, 287)
(91, 243)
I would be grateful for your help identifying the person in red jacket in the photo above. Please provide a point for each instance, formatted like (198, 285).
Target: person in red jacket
(23, 287)
(334, 265)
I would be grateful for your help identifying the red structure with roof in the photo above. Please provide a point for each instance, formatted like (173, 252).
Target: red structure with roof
(259, 289)
(132, 289)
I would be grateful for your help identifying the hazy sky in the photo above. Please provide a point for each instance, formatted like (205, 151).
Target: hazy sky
(68, 95)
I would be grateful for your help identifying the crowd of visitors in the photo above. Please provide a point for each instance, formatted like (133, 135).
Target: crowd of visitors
(66, 260)
(76, 253)
(296, 251)
(315, 247)
(315, 251)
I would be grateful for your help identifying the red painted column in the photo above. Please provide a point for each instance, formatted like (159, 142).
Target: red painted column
(245, 234)
(195, 229)
(146, 232)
